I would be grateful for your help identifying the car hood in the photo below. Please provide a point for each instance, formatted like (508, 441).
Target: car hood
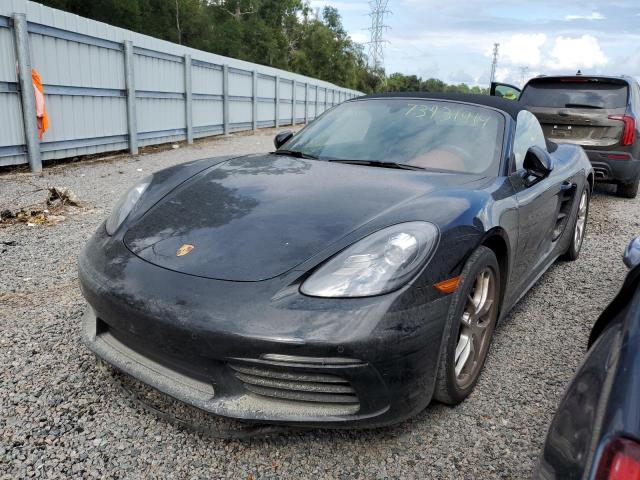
(253, 218)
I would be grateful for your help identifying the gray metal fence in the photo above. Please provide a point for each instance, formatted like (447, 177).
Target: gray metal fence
(110, 89)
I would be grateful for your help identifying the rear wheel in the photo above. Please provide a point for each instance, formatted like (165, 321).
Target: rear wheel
(579, 227)
(472, 320)
(628, 190)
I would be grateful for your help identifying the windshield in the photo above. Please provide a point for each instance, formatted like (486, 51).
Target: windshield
(583, 94)
(434, 135)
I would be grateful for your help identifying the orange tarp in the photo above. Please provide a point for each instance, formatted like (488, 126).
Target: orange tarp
(41, 109)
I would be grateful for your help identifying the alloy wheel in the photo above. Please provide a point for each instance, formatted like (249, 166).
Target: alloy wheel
(581, 221)
(476, 328)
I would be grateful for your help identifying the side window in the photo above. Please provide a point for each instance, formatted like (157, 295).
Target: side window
(507, 92)
(528, 134)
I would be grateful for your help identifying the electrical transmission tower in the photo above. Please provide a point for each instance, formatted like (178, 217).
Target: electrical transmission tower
(376, 44)
(523, 75)
(494, 63)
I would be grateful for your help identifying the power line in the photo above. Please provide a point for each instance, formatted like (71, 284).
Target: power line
(376, 44)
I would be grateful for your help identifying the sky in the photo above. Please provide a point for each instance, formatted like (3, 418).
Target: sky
(453, 39)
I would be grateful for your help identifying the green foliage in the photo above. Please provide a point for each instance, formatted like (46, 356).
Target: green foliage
(280, 33)
(397, 82)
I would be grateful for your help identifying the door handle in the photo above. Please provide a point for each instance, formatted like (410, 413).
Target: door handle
(566, 186)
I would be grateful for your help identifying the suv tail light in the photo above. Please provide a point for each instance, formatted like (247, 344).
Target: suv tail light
(620, 460)
(629, 133)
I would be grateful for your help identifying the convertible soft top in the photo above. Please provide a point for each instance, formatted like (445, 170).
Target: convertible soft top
(508, 106)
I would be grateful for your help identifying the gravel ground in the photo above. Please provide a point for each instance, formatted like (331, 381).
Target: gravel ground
(62, 416)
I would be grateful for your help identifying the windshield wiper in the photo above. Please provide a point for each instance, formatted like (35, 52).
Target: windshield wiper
(378, 163)
(295, 153)
(581, 105)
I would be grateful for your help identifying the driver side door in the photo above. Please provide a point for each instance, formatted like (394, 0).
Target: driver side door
(538, 202)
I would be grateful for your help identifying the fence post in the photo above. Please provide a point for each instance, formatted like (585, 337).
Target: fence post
(130, 86)
(225, 99)
(277, 104)
(188, 98)
(306, 102)
(315, 101)
(23, 55)
(254, 100)
(293, 103)
(325, 99)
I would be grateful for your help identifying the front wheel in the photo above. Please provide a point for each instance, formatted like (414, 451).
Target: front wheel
(579, 227)
(471, 321)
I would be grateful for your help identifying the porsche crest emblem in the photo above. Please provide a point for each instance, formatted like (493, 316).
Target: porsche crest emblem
(184, 250)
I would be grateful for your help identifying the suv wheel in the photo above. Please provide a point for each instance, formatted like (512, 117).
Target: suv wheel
(628, 190)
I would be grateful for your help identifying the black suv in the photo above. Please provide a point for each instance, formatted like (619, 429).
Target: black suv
(597, 112)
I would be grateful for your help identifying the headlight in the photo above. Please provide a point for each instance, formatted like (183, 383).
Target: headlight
(125, 205)
(379, 263)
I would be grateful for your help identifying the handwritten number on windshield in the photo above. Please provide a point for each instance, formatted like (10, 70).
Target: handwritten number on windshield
(446, 115)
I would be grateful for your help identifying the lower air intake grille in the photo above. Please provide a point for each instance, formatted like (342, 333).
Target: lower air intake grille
(297, 386)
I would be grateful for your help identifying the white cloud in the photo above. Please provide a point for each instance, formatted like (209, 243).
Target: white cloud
(523, 49)
(592, 16)
(439, 39)
(503, 74)
(629, 65)
(514, 76)
(341, 6)
(577, 52)
(359, 37)
(461, 77)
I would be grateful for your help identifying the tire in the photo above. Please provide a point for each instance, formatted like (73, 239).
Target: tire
(628, 190)
(456, 377)
(578, 232)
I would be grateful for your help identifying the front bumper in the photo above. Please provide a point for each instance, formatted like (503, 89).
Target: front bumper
(611, 170)
(221, 391)
(242, 351)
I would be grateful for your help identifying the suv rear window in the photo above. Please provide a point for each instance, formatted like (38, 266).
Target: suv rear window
(583, 94)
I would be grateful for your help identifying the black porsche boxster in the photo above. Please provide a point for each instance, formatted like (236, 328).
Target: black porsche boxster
(346, 279)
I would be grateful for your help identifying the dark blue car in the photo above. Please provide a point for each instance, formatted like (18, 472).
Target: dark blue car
(595, 433)
(349, 277)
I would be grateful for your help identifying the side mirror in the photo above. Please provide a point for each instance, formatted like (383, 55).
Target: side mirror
(282, 138)
(537, 162)
(632, 253)
(504, 90)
